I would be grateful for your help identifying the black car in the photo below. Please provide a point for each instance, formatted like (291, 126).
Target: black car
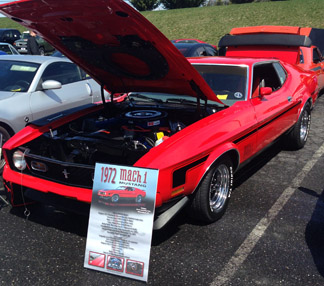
(9, 35)
(196, 49)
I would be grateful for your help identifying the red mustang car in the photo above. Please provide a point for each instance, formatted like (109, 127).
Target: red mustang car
(196, 122)
(122, 192)
(297, 45)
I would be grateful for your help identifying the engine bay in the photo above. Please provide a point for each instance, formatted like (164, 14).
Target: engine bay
(120, 135)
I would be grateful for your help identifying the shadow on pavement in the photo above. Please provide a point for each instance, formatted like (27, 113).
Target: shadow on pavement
(257, 163)
(51, 217)
(314, 233)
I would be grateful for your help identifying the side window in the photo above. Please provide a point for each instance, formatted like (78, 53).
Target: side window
(62, 72)
(316, 56)
(267, 75)
(16, 35)
(281, 73)
(301, 57)
(6, 34)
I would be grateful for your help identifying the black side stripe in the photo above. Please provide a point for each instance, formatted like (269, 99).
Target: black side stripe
(179, 176)
(316, 69)
(265, 124)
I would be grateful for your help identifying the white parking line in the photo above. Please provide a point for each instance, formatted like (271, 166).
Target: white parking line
(247, 246)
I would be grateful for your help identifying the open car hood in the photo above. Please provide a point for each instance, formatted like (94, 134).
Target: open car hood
(114, 43)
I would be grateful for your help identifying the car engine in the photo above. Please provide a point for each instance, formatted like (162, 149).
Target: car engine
(122, 137)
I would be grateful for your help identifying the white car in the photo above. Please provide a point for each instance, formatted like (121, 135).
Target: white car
(32, 87)
(8, 49)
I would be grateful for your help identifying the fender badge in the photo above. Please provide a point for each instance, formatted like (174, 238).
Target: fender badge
(66, 174)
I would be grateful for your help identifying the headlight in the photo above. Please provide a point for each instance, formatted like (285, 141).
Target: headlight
(18, 159)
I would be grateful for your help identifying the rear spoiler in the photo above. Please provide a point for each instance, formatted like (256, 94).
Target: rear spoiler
(265, 39)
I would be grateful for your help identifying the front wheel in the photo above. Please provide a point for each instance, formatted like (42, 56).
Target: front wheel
(115, 198)
(297, 137)
(212, 196)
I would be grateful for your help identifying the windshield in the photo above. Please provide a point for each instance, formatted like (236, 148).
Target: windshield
(229, 82)
(176, 100)
(16, 76)
(6, 49)
(25, 36)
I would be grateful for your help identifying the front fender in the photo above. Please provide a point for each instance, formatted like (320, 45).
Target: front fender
(229, 149)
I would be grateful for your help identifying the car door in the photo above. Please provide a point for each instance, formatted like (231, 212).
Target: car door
(75, 90)
(274, 111)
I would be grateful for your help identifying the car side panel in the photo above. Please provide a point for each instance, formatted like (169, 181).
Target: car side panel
(70, 95)
(22, 112)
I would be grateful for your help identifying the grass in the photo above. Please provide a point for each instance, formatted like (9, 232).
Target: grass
(211, 23)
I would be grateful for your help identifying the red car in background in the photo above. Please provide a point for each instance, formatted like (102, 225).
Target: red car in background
(123, 192)
(214, 114)
(296, 45)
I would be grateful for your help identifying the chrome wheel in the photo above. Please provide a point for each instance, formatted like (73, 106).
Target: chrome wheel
(304, 126)
(212, 196)
(219, 188)
(115, 198)
(139, 199)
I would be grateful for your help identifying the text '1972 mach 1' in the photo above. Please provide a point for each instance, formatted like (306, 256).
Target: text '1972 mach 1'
(195, 121)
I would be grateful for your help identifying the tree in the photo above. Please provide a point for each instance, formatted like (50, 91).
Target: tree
(176, 4)
(145, 5)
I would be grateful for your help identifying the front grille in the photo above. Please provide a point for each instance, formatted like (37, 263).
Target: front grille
(70, 174)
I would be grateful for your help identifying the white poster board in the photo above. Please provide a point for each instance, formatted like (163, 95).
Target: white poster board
(121, 220)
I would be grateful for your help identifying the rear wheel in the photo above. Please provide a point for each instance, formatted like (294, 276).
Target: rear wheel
(297, 137)
(5, 137)
(139, 199)
(212, 197)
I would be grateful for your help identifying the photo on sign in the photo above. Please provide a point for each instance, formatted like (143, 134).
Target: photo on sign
(97, 259)
(122, 194)
(115, 263)
(134, 267)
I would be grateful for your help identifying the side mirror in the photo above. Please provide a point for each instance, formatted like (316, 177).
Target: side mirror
(265, 91)
(51, 84)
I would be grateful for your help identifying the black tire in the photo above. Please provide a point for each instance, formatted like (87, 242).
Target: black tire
(5, 137)
(139, 199)
(212, 196)
(297, 137)
(115, 198)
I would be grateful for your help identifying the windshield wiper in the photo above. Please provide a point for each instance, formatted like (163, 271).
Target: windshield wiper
(181, 100)
(141, 96)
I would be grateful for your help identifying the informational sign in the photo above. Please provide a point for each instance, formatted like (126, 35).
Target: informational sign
(121, 220)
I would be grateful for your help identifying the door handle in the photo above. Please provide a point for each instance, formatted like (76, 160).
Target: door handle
(289, 98)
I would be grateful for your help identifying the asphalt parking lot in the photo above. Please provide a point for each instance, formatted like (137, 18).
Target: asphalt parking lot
(271, 234)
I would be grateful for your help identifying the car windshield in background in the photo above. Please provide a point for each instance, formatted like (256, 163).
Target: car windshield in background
(16, 76)
(229, 83)
(25, 36)
(176, 100)
(6, 49)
